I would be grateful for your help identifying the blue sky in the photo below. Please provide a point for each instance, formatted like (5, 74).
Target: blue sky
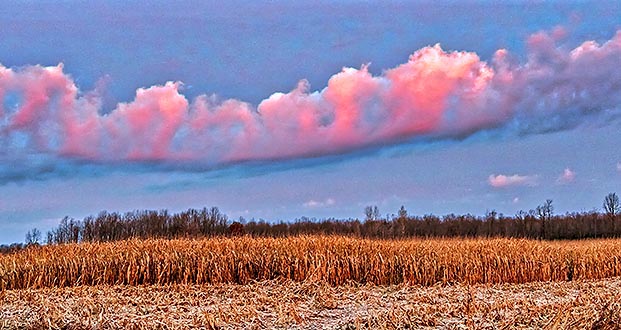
(246, 52)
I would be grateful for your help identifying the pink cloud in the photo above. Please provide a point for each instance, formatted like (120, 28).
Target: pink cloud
(503, 181)
(567, 176)
(435, 94)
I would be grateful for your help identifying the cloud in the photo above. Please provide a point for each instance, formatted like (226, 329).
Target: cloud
(619, 166)
(567, 176)
(319, 204)
(436, 94)
(502, 181)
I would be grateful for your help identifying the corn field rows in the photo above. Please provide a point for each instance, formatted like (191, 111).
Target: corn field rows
(331, 259)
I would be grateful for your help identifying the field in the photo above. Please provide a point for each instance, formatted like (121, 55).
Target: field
(308, 305)
(315, 281)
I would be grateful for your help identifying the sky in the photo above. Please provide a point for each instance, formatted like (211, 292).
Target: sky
(285, 109)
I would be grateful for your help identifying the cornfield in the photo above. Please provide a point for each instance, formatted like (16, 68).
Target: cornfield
(589, 304)
(328, 259)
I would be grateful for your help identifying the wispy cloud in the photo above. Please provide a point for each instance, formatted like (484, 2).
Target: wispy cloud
(503, 181)
(319, 204)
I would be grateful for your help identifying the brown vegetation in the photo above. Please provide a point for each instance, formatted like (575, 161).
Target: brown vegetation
(538, 223)
(331, 259)
(308, 305)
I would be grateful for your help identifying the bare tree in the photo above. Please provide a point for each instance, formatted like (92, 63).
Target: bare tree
(28, 238)
(400, 222)
(403, 213)
(36, 235)
(490, 217)
(371, 213)
(33, 236)
(611, 207)
(544, 212)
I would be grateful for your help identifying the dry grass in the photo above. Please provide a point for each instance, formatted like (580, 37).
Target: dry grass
(304, 305)
(333, 260)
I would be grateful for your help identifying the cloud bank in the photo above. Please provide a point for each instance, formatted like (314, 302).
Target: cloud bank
(436, 94)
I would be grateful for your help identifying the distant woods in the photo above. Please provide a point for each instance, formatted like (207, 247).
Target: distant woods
(538, 223)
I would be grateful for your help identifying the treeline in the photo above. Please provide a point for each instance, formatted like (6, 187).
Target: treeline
(539, 223)
(140, 224)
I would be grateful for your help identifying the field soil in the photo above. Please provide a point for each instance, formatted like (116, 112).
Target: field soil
(592, 304)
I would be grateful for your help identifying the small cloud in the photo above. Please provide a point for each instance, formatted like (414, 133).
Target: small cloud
(317, 204)
(567, 176)
(502, 181)
(516, 200)
(618, 166)
(311, 203)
